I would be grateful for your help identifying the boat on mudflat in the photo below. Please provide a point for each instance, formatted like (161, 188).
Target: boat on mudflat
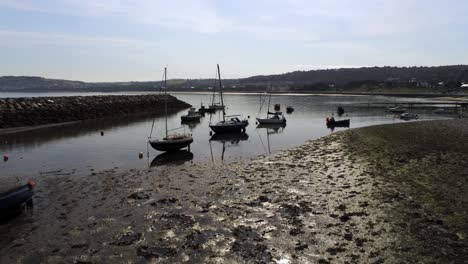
(337, 123)
(14, 198)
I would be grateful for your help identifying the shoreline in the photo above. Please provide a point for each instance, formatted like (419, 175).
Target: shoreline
(462, 96)
(330, 200)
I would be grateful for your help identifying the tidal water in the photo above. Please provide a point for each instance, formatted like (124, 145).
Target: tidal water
(80, 148)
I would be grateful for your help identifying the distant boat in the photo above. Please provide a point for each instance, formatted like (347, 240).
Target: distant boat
(408, 116)
(169, 142)
(332, 123)
(215, 106)
(396, 110)
(289, 109)
(340, 110)
(232, 123)
(191, 116)
(442, 111)
(271, 117)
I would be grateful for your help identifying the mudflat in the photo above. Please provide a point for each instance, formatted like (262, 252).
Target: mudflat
(383, 194)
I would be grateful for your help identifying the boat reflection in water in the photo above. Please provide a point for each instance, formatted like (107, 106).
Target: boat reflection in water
(190, 124)
(270, 129)
(175, 158)
(232, 140)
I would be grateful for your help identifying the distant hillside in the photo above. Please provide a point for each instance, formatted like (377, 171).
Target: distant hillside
(345, 75)
(368, 79)
(14, 83)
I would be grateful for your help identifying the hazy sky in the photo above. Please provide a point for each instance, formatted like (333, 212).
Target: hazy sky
(121, 40)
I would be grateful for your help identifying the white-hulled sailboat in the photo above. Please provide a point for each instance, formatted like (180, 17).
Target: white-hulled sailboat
(171, 142)
(272, 117)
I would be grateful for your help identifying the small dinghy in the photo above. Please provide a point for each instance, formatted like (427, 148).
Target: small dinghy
(396, 110)
(408, 116)
(332, 123)
(14, 198)
(340, 110)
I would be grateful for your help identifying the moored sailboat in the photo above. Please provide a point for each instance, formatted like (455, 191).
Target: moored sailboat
(171, 142)
(272, 117)
(231, 123)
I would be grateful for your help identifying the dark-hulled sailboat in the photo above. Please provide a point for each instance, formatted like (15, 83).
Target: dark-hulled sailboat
(171, 142)
(230, 123)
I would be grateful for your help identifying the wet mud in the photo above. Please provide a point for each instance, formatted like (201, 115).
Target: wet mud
(323, 202)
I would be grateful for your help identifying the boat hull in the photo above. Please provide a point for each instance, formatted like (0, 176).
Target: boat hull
(227, 128)
(271, 120)
(340, 123)
(171, 145)
(14, 198)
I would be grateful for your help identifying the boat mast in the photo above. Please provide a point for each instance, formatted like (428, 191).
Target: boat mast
(165, 95)
(221, 92)
(269, 99)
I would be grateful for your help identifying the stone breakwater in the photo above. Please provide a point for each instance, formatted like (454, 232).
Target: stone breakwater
(18, 112)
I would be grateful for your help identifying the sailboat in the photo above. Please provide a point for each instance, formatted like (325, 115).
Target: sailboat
(230, 123)
(215, 106)
(272, 117)
(171, 142)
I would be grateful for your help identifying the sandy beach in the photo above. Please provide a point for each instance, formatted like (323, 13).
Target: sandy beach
(382, 194)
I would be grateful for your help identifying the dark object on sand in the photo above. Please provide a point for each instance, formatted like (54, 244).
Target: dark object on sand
(331, 123)
(340, 111)
(14, 198)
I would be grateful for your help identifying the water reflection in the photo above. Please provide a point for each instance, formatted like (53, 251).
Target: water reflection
(227, 140)
(178, 157)
(80, 147)
(270, 129)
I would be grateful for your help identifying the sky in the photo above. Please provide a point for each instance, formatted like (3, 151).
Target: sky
(132, 40)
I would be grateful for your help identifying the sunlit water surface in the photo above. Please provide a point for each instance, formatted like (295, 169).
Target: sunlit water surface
(81, 148)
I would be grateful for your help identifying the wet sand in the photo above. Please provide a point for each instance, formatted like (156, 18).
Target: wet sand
(384, 194)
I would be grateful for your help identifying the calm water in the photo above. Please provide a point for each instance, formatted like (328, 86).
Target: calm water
(81, 148)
